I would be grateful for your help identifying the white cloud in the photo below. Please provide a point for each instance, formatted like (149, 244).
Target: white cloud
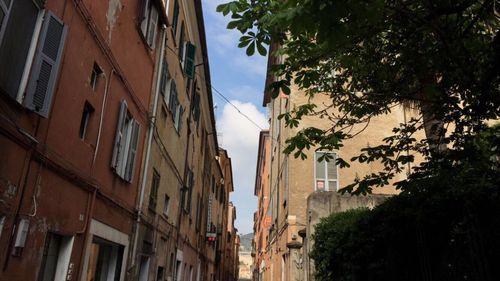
(237, 130)
(240, 138)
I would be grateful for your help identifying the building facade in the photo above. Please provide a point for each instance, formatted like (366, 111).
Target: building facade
(109, 161)
(262, 219)
(285, 183)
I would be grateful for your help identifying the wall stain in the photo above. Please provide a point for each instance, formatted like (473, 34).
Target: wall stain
(114, 8)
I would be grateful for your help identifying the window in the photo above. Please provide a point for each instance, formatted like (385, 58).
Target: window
(144, 268)
(94, 76)
(125, 145)
(153, 194)
(199, 207)
(187, 53)
(31, 48)
(178, 270)
(87, 112)
(160, 272)
(165, 80)
(166, 205)
(175, 18)
(195, 105)
(181, 45)
(326, 175)
(175, 107)
(105, 260)
(56, 257)
(178, 117)
(189, 191)
(149, 22)
(222, 194)
(171, 265)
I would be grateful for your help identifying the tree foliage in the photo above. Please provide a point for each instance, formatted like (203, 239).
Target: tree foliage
(442, 227)
(440, 57)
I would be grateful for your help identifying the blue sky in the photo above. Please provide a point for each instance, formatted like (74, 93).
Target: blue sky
(241, 79)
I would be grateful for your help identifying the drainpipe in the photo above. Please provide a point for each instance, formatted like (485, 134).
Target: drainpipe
(89, 212)
(152, 121)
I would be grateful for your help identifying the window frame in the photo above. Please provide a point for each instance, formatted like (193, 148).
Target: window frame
(326, 179)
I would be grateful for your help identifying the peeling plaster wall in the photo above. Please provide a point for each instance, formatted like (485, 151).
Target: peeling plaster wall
(114, 8)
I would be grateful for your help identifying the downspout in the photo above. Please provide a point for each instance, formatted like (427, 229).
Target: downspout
(104, 100)
(90, 207)
(152, 121)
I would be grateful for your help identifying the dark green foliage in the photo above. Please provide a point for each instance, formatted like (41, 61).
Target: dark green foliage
(444, 226)
(439, 57)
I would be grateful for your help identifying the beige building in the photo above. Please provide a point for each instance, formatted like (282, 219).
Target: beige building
(291, 183)
(186, 178)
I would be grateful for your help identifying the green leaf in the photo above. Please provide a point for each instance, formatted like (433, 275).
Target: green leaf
(233, 24)
(251, 49)
(262, 50)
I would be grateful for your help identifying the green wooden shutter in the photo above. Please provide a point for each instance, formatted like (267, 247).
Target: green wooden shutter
(46, 65)
(189, 60)
(117, 149)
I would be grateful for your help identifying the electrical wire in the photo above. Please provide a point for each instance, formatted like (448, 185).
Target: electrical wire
(226, 100)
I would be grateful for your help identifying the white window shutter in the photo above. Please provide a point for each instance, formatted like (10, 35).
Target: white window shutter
(119, 135)
(144, 18)
(153, 26)
(134, 141)
(332, 172)
(46, 65)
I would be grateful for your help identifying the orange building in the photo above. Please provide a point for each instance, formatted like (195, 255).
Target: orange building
(110, 167)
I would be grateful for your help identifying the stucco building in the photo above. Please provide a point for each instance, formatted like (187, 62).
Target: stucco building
(286, 185)
(109, 163)
(74, 118)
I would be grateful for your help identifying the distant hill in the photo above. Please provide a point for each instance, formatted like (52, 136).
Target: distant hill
(246, 242)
